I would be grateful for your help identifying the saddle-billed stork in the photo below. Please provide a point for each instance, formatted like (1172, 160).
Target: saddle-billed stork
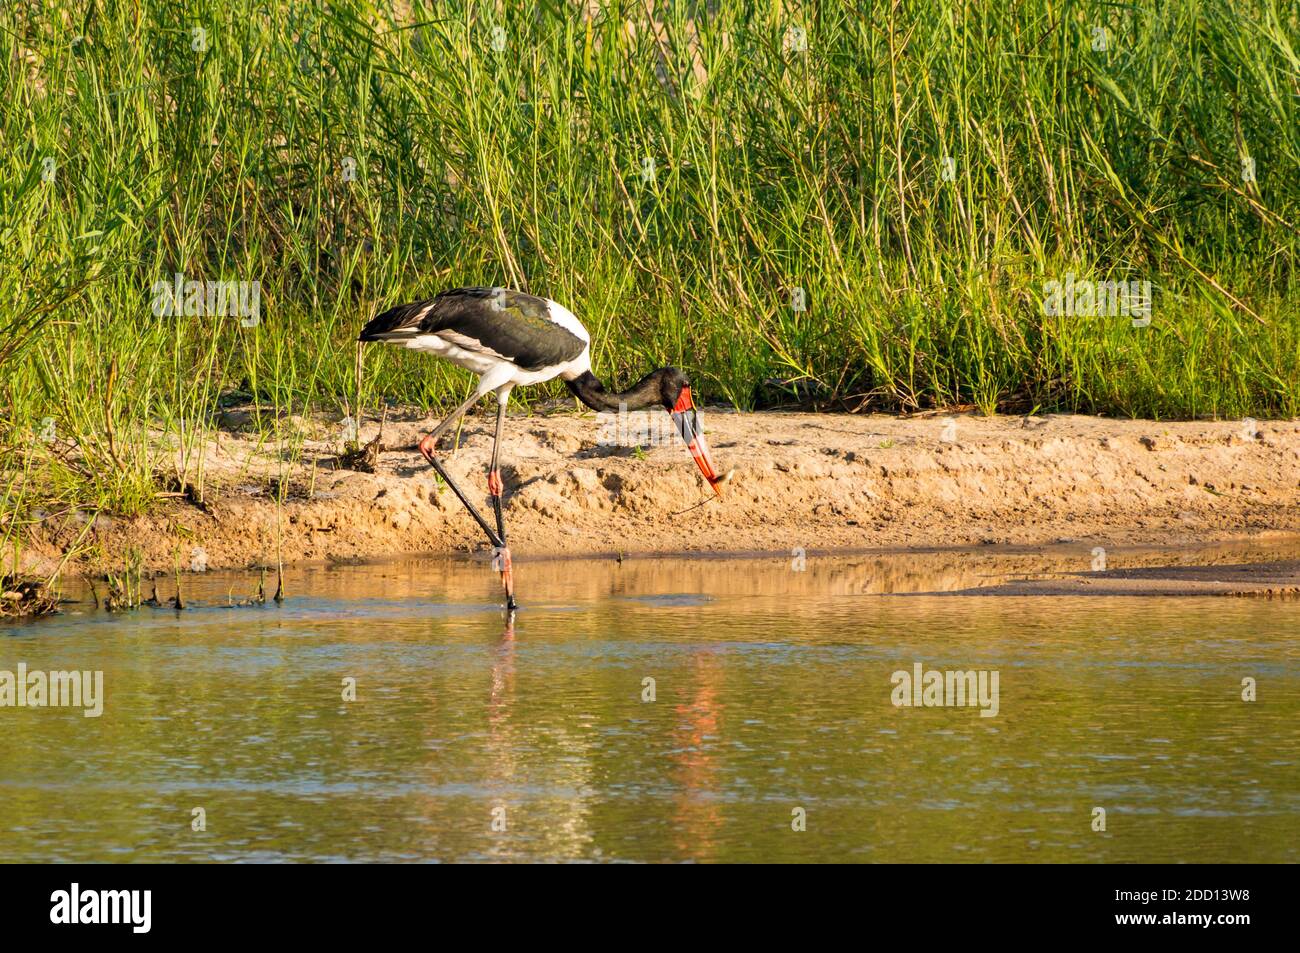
(509, 338)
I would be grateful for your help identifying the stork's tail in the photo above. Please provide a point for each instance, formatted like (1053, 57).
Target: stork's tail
(396, 323)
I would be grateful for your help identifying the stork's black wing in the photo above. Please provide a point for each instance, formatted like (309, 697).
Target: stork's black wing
(506, 323)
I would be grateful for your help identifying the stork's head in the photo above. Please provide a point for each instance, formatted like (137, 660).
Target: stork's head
(676, 396)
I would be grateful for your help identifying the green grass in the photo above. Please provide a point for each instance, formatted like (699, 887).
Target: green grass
(773, 169)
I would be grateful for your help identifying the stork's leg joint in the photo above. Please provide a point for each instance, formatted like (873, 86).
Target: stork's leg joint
(495, 486)
(429, 446)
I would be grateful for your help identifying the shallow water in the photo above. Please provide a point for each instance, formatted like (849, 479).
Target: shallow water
(772, 693)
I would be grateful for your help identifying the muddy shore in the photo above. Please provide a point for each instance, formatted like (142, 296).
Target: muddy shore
(802, 482)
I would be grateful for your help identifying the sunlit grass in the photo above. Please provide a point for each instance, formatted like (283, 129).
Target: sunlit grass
(683, 184)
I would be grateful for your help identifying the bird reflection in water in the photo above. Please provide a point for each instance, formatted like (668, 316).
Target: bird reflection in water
(696, 807)
(503, 674)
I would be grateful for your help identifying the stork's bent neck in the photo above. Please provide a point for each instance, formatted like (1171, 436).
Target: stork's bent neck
(644, 393)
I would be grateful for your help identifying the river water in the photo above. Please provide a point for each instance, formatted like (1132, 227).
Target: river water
(658, 710)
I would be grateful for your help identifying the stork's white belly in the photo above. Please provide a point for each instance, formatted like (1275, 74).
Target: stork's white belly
(494, 370)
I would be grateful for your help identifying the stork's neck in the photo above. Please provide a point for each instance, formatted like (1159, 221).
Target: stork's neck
(647, 392)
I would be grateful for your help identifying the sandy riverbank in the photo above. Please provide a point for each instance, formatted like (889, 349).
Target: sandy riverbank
(802, 481)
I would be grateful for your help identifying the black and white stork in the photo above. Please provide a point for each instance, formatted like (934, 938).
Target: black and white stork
(509, 338)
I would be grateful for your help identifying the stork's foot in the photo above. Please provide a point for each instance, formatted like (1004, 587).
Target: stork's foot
(429, 447)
